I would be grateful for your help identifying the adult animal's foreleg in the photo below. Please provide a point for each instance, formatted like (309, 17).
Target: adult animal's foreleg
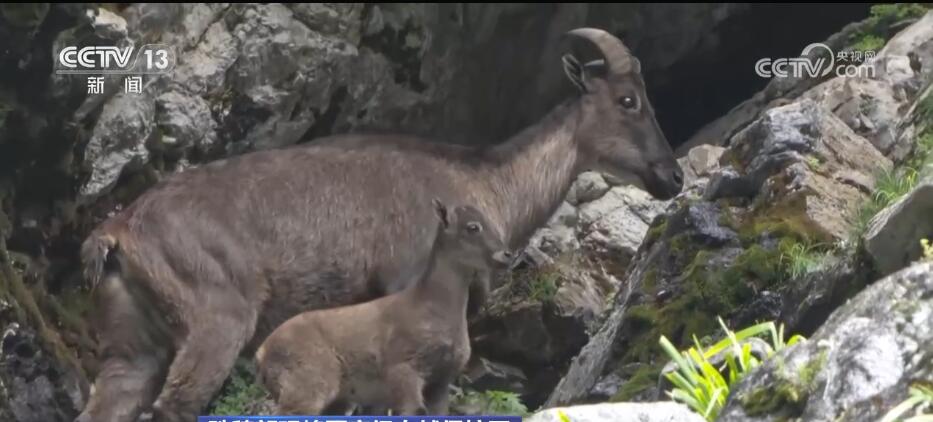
(437, 398)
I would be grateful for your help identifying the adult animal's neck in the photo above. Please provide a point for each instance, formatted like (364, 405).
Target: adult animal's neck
(531, 173)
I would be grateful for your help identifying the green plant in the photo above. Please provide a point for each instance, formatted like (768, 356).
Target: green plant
(814, 162)
(241, 394)
(927, 248)
(920, 400)
(494, 402)
(890, 186)
(894, 184)
(543, 288)
(798, 259)
(563, 416)
(887, 14)
(868, 42)
(702, 386)
(878, 26)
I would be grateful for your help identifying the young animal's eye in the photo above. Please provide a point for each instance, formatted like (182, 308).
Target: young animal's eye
(474, 227)
(628, 102)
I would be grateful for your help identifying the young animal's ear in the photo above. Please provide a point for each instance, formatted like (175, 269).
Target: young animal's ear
(441, 212)
(574, 71)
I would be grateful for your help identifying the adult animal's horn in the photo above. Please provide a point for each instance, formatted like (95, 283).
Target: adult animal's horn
(619, 59)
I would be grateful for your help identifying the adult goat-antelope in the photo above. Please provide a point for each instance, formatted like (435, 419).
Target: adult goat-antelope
(211, 260)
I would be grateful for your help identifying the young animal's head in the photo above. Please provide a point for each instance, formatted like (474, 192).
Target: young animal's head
(618, 133)
(466, 237)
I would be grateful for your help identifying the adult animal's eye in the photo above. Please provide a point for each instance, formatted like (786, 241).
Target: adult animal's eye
(474, 227)
(628, 102)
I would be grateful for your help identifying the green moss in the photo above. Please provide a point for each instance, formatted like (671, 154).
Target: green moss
(26, 310)
(644, 378)
(925, 112)
(645, 314)
(654, 233)
(708, 288)
(776, 225)
(650, 281)
(785, 392)
(680, 244)
(69, 308)
(677, 320)
(808, 372)
(722, 290)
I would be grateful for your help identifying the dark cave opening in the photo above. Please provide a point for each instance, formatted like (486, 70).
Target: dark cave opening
(700, 89)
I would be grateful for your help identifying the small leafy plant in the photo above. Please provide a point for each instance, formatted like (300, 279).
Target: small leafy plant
(927, 248)
(493, 402)
(544, 287)
(920, 401)
(801, 258)
(702, 386)
(563, 416)
(241, 394)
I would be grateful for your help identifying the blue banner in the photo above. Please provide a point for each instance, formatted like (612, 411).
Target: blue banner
(359, 419)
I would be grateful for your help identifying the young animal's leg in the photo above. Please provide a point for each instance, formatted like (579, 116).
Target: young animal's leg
(437, 397)
(338, 407)
(205, 358)
(134, 356)
(406, 390)
(307, 396)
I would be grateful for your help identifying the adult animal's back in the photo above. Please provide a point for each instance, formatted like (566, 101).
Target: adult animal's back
(293, 230)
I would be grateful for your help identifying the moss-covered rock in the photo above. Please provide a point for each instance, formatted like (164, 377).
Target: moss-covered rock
(857, 366)
(41, 377)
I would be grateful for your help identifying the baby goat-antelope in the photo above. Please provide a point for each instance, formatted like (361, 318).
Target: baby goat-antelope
(399, 352)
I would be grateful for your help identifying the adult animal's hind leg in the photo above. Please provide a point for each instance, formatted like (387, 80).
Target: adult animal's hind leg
(133, 352)
(205, 358)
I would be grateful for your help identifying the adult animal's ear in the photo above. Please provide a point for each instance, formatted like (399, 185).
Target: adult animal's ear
(574, 71)
(441, 210)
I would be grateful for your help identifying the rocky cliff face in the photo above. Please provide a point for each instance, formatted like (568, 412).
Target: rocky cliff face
(782, 174)
(780, 232)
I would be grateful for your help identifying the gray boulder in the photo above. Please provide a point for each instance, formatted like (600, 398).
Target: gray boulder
(613, 226)
(700, 163)
(118, 142)
(893, 237)
(619, 412)
(588, 187)
(857, 366)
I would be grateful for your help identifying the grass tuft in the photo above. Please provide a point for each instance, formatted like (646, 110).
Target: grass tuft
(704, 387)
